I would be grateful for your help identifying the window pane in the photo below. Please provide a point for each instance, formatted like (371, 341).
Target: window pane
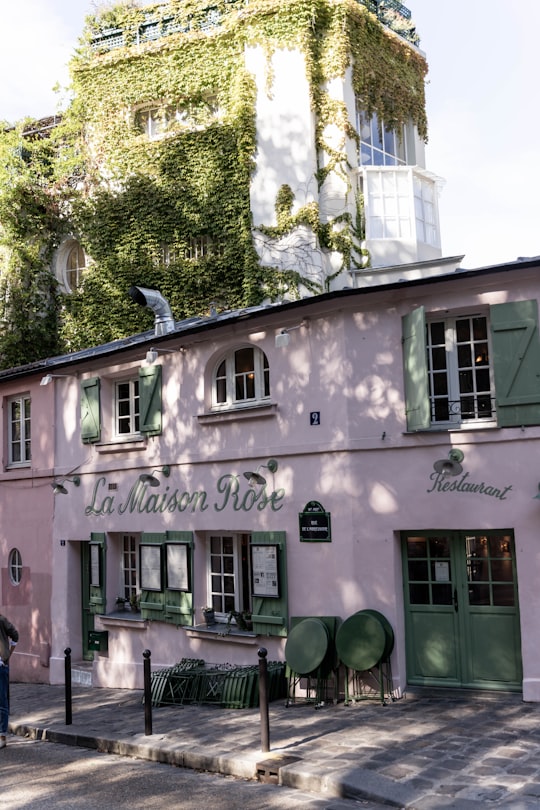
(438, 358)
(502, 570)
(500, 546)
(243, 361)
(478, 571)
(503, 595)
(463, 332)
(440, 384)
(479, 595)
(439, 547)
(437, 333)
(419, 594)
(464, 356)
(418, 569)
(441, 594)
(416, 547)
(479, 328)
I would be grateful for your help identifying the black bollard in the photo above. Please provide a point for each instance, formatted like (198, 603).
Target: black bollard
(67, 684)
(263, 699)
(147, 694)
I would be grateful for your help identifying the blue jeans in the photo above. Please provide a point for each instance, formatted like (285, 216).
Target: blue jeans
(4, 698)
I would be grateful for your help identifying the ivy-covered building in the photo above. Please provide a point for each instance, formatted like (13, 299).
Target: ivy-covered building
(239, 375)
(225, 153)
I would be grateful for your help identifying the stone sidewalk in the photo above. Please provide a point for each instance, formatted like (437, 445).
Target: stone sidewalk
(428, 751)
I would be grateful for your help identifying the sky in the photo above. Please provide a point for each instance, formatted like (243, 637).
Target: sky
(482, 107)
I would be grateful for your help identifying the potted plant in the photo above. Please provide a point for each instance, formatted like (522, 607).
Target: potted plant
(135, 602)
(120, 603)
(209, 615)
(242, 619)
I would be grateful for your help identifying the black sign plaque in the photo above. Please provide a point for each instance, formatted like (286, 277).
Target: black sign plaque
(314, 524)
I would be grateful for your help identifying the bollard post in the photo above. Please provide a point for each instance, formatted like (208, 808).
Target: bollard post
(67, 684)
(263, 699)
(147, 694)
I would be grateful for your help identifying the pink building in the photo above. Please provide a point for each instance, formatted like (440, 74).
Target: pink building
(394, 428)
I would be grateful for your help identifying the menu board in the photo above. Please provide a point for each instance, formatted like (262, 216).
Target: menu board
(150, 567)
(265, 570)
(177, 567)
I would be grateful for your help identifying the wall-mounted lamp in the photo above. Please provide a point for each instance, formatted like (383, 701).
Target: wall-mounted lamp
(48, 378)
(282, 339)
(152, 354)
(59, 488)
(255, 478)
(450, 465)
(150, 478)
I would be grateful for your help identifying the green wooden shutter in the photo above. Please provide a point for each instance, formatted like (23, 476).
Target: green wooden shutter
(516, 362)
(90, 410)
(153, 602)
(150, 400)
(417, 408)
(97, 601)
(271, 616)
(179, 604)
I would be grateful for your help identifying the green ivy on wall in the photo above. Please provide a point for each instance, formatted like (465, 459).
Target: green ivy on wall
(136, 204)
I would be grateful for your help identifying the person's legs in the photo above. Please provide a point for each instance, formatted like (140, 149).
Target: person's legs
(4, 704)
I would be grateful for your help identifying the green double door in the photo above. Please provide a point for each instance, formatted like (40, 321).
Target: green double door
(461, 609)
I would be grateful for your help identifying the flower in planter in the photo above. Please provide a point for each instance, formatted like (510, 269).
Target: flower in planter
(209, 614)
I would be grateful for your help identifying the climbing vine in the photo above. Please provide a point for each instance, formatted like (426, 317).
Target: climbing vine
(138, 205)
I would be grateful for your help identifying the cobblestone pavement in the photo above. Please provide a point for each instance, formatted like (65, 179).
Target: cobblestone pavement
(430, 750)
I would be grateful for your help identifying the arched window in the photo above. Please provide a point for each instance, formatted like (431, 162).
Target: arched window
(15, 566)
(242, 377)
(75, 266)
(70, 264)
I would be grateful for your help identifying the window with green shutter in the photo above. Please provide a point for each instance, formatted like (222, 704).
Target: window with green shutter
(150, 406)
(472, 368)
(166, 594)
(516, 350)
(90, 410)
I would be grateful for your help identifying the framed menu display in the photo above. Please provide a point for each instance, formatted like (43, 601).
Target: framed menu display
(150, 567)
(177, 566)
(265, 570)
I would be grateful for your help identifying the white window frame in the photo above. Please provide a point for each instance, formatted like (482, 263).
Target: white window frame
(131, 416)
(19, 431)
(373, 150)
(73, 275)
(221, 600)
(159, 119)
(70, 278)
(453, 370)
(399, 203)
(130, 580)
(15, 566)
(225, 380)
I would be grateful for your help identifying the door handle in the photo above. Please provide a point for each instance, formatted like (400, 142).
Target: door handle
(455, 600)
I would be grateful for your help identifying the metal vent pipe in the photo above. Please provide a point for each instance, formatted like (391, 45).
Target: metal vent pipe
(164, 321)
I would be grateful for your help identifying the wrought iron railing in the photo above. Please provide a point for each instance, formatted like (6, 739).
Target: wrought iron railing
(391, 13)
(471, 407)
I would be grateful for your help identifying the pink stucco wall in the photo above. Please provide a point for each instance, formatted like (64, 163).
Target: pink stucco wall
(360, 463)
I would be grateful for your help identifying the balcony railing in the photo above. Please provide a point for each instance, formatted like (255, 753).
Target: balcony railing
(391, 14)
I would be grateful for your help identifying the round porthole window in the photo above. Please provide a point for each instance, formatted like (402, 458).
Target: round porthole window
(15, 566)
